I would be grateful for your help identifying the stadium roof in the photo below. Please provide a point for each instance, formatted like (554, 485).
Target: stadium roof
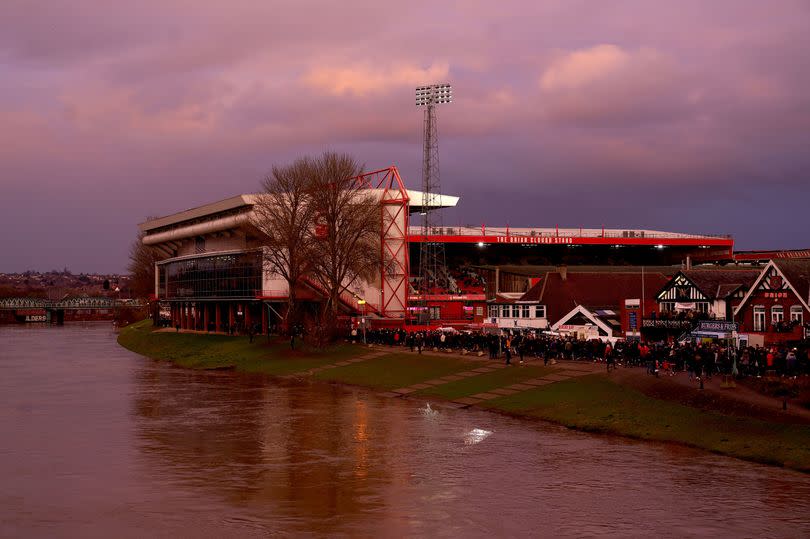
(235, 203)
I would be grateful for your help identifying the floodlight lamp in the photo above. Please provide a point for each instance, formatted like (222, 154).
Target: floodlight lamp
(434, 94)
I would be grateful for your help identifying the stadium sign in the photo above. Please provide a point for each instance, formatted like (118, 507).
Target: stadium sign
(553, 240)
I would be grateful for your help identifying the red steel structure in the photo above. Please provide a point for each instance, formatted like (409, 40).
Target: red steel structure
(394, 266)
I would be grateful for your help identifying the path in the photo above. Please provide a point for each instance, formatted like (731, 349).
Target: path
(569, 369)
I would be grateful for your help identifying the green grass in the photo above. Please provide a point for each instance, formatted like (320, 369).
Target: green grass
(197, 351)
(596, 404)
(484, 382)
(396, 370)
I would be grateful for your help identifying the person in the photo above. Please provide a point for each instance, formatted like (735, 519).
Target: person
(292, 340)
(250, 334)
(609, 359)
(508, 351)
(354, 335)
(420, 341)
(177, 327)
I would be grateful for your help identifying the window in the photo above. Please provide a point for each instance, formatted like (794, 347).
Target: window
(506, 311)
(233, 275)
(526, 311)
(479, 311)
(702, 306)
(777, 314)
(493, 311)
(539, 311)
(667, 306)
(759, 318)
(796, 314)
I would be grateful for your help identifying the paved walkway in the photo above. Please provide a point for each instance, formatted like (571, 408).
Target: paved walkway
(365, 357)
(569, 369)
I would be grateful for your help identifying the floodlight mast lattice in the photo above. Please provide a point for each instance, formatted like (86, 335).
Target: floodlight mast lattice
(433, 274)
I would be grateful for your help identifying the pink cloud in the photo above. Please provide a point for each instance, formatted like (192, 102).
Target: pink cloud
(363, 79)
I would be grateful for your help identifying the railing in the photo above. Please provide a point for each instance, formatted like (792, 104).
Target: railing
(67, 303)
(559, 232)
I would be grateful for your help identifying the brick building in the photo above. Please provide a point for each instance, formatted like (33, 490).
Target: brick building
(775, 308)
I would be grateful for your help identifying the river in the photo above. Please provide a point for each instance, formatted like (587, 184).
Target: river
(96, 441)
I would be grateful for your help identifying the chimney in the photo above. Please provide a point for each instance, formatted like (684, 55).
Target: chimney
(563, 271)
(688, 263)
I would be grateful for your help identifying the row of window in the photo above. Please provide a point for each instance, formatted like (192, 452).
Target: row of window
(777, 315)
(517, 311)
(232, 275)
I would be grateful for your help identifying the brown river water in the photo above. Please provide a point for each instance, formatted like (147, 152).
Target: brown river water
(96, 441)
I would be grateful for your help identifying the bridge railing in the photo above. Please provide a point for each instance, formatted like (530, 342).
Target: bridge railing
(67, 303)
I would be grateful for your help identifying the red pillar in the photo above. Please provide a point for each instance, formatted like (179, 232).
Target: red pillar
(218, 316)
(247, 315)
(264, 318)
(231, 315)
(206, 318)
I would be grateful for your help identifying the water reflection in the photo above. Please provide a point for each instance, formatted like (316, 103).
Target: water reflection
(273, 449)
(100, 442)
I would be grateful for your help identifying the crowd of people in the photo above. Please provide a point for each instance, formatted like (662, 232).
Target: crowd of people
(661, 358)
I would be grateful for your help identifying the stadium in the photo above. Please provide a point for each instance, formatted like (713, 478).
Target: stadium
(212, 277)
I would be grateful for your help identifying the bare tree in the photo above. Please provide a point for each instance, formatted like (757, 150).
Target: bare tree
(284, 214)
(347, 231)
(142, 260)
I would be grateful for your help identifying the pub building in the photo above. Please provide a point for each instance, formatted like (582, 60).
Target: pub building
(775, 308)
(696, 294)
(707, 293)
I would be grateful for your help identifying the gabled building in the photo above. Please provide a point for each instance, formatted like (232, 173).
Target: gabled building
(592, 303)
(711, 292)
(776, 308)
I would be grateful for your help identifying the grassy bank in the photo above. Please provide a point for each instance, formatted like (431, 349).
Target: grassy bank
(198, 351)
(595, 403)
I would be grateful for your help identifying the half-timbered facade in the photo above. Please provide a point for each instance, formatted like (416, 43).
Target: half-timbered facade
(777, 306)
(711, 292)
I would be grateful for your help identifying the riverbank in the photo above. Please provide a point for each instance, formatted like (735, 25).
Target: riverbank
(577, 396)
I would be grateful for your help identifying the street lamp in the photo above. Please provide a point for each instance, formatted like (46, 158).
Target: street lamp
(363, 303)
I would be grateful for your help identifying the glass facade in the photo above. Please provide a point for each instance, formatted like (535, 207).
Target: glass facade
(237, 275)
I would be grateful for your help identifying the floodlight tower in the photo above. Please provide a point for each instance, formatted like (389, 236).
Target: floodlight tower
(432, 264)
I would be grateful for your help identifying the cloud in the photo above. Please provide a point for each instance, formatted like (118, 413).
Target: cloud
(607, 85)
(362, 79)
(195, 100)
(583, 67)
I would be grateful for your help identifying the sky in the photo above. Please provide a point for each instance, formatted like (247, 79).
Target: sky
(680, 115)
